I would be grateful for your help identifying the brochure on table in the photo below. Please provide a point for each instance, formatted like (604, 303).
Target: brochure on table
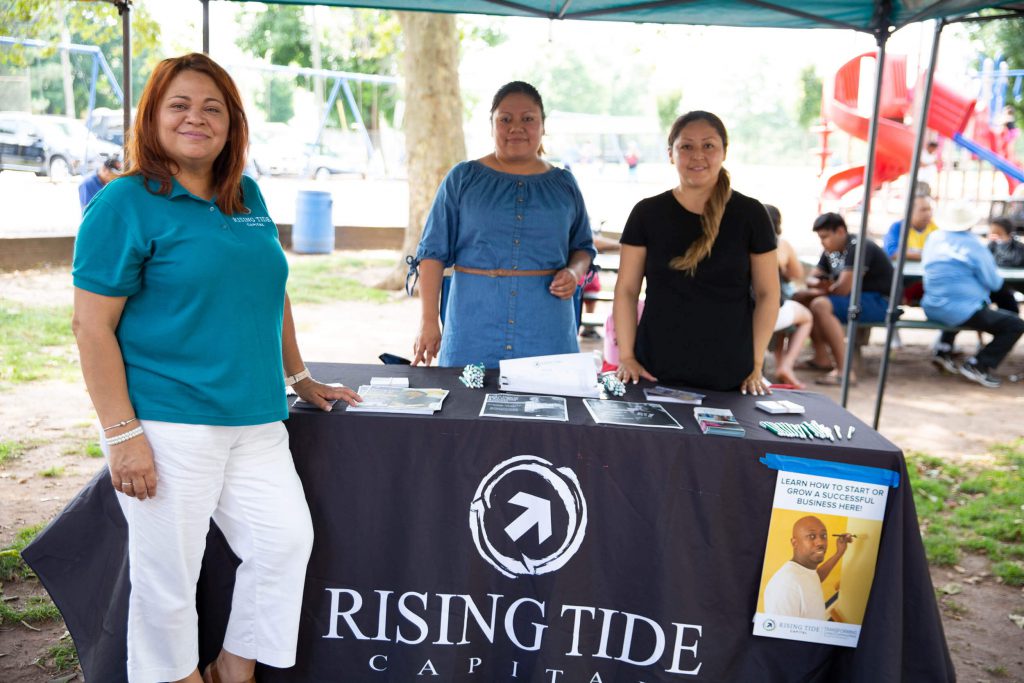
(670, 395)
(822, 545)
(525, 407)
(388, 399)
(567, 374)
(629, 414)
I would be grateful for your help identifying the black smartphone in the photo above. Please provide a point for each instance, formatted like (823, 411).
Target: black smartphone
(392, 359)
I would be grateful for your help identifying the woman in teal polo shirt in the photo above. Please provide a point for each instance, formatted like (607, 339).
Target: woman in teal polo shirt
(187, 342)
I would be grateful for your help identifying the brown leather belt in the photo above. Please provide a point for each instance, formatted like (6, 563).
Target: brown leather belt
(504, 272)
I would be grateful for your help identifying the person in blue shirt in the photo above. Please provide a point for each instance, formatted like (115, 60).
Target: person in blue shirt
(959, 276)
(95, 181)
(516, 232)
(187, 342)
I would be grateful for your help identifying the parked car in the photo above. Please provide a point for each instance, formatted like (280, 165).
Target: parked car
(20, 150)
(54, 146)
(275, 150)
(108, 124)
(322, 165)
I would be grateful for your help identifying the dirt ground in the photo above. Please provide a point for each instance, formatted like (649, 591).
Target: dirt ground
(923, 411)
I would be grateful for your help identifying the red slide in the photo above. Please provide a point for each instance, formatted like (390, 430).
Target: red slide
(948, 114)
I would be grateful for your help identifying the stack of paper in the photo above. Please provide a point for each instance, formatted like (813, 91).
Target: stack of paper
(779, 407)
(386, 399)
(719, 421)
(566, 374)
(669, 395)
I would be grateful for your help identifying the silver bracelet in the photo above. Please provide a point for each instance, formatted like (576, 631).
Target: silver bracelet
(121, 438)
(122, 423)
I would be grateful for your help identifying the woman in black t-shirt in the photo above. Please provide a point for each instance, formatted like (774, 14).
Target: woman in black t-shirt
(704, 249)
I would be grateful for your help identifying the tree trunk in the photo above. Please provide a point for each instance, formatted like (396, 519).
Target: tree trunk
(434, 140)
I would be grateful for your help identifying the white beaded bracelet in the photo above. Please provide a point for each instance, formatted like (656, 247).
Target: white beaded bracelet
(121, 438)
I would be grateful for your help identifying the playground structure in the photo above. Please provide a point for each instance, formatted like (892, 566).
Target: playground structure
(950, 114)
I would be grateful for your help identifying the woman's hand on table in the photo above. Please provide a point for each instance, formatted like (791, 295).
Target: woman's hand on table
(132, 468)
(564, 283)
(427, 344)
(755, 384)
(630, 370)
(323, 395)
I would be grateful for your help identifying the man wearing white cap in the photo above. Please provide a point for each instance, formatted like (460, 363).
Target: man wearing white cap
(959, 276)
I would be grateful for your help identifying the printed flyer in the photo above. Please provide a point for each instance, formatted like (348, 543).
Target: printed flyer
(823, 540)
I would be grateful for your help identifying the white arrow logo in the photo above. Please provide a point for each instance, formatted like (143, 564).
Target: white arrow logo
(537, 512)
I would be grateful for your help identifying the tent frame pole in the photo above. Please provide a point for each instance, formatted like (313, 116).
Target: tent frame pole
(881, 36)
(896, 291)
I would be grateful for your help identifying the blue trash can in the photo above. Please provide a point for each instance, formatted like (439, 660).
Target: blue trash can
(313, 232)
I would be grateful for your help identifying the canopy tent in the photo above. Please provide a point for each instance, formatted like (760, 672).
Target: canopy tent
(858, 15)
(880, 18)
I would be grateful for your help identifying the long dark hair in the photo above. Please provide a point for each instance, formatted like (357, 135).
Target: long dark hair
(714, 208)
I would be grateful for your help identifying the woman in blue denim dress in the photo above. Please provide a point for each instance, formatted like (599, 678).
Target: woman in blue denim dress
(515, 231)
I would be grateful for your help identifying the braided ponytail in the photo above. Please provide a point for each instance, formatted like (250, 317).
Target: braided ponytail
(714, 208)
(710, 220)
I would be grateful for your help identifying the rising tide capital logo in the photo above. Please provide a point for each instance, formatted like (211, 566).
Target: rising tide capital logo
(527, 516)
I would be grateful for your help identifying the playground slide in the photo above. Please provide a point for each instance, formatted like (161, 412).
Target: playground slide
(1014, 174)
(948, 115)
(895, 139)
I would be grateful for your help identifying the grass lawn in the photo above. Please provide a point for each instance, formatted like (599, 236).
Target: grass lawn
(973, 509)
(36, 343)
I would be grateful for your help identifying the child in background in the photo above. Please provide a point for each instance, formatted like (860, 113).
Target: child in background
(1008, 253)
(791, 313)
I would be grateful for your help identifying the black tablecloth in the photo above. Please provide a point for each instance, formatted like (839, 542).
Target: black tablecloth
(676, 523)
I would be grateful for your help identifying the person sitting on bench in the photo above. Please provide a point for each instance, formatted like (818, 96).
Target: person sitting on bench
(959, 276)
(828, 293)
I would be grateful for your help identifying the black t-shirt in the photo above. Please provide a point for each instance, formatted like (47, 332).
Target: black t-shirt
(697, 330)
(877, 266)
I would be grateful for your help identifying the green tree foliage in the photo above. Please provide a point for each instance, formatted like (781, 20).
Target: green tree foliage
(809, 107)
(359, 41)
(590, 84)
(89, 23)
(668, 108)
(765, 131)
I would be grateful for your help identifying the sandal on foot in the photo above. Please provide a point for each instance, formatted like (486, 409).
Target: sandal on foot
(811, 365)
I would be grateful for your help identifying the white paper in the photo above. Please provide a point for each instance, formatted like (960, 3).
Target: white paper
(390, 382)
(567, 374)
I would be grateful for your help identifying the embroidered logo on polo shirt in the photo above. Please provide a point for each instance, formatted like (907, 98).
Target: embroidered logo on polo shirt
(253, 221)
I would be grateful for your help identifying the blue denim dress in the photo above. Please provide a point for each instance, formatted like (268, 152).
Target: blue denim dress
(486, 219)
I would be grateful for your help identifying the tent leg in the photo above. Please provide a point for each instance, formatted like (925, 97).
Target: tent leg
(206, 26)
(862, 240)
(124, 9)
(896, 292)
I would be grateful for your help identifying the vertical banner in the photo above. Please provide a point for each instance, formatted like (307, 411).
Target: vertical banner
(823, 540)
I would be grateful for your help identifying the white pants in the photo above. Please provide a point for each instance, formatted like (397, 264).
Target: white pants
(244, 478)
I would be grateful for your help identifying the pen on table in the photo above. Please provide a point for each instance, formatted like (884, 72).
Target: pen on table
(850, 535)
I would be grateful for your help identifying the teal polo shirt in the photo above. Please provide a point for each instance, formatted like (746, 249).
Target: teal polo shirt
(201, 329)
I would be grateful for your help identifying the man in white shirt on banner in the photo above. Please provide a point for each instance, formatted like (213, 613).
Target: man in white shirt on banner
(795, 589)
